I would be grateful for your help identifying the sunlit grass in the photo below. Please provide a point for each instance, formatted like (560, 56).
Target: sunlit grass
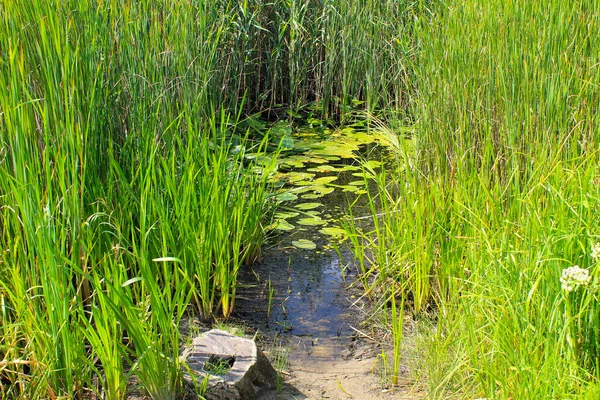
(131, 189)
(499, 197)
(121, 205)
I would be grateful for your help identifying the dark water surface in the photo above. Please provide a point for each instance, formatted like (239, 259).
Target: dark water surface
(310, 303)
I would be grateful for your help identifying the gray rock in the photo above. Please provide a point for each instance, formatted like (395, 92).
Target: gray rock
(250, 373)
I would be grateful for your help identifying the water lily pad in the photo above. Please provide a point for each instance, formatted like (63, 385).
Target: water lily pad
(308, 206)
(285, 215)
(356, 183)
(302, 189)
(325, 180)
(292, 163)
(307, 134)
(277, 178)
(311, 221)
(303, 183)
(287, 196)
(333, 231)
(283, 225)
(304, 244)
(294, 177)
(334, 150)
(312, 196)
(350, 188)
(330, 168)
(298, 161)
(362, 137)
(323, 168)
(320, 189)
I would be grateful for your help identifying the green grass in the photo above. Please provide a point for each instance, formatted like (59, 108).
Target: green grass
(121, 204)
(134, 180)
(496, 195)
(133, 186)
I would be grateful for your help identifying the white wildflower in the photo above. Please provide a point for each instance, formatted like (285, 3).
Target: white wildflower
(573, 277)
(596, 251)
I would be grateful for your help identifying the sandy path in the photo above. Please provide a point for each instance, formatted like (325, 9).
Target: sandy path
(322, 373)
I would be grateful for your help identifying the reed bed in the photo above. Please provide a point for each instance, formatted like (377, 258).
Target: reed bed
(131, 190)
(487, 222)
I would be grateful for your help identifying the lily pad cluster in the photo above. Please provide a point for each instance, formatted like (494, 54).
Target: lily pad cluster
(309, 171)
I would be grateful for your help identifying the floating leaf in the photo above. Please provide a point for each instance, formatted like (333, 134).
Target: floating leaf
(323, 168)
(292, 163)
(304, 244)
(312, 196)
(287, 196)
(357, 183)
(333, 231)
(283, 225)
(308, 206)
(361, 137)
(330, 168)
(294, 177)
(285, 215)
(303, 183)
(311, 221)
(307, 134)
(298, 161)
(323, 189)
(325, 180)
(337, 150)
(302, 189)
(314, 213)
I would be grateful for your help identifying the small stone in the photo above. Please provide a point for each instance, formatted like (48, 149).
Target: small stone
(250, 373)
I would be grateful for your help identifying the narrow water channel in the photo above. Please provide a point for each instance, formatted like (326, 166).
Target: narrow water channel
(298, 291)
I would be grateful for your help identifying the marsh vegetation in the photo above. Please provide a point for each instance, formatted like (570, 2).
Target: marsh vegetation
(141, 144)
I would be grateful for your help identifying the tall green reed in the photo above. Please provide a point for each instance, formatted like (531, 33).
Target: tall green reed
(108, 163)
(502, 195)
